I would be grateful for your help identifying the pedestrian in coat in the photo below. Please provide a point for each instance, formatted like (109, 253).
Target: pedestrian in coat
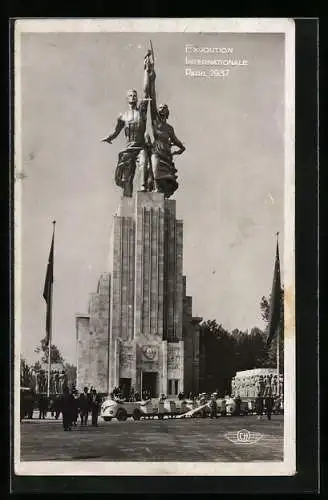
(259, 406)
(213, 407)
(238, 404)
(84, 405)
(67, 409)
(43, 406)
(269, 406)
(76, 407)
(95, 405)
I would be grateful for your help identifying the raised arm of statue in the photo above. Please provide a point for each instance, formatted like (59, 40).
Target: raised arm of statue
(147, 68)
(118, 127)
(149, 84)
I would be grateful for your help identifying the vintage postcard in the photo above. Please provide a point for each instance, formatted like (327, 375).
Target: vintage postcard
(154, 247)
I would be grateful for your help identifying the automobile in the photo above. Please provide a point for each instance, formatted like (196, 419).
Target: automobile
(115, 408)
(165, 408)
(27, 402)
(148, 409)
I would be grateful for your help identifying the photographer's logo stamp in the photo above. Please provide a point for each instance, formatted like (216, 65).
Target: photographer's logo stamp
(243, 437)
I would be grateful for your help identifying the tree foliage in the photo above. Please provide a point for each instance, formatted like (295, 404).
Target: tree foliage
(217, 352)
(56, 358)
(55, 355)
(224, 353)
(265, 309)
(70, 371)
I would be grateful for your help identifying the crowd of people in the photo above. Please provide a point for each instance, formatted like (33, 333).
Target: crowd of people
(72, 406)
(75, 405)
(130, 395)
(121, 394)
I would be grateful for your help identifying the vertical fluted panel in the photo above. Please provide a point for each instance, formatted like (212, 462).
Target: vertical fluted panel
(165, 277)
(146, 269)
(160, 272)
(124, 283)
(138, 295)
(169, 270)
(154, 271)
(116, 285)
(131, 250)
(149, 263)
(116, 281)
(179, 284)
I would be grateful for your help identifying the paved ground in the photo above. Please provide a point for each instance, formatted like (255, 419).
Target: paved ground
(153, 440)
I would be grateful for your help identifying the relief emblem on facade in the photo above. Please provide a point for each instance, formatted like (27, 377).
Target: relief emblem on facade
(173, 357)
(126, 356)
(149, 353)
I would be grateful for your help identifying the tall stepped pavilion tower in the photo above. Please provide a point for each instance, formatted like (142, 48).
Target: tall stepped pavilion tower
(139, 331)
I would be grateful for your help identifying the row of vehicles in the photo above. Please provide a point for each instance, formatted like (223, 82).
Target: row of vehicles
(168, 408)
(154, 408)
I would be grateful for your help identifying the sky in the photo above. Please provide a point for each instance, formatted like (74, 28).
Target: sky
(231, 176)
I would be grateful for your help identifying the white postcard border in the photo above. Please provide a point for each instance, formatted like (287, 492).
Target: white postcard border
(255, 25)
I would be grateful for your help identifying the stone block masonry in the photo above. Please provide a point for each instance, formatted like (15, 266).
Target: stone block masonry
(92, 339)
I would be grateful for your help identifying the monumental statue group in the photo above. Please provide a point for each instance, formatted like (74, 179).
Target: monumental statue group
(154, 156)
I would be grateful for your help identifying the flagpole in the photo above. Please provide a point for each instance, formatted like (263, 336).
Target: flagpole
(50, 325)
(278, 351)
(275, 309)
(49, 345)
(278, 333)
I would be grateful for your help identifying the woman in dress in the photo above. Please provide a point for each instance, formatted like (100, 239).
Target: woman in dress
(164, 171)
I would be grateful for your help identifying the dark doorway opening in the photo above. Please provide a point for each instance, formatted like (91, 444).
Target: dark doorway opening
(149, 384)
(125, 386)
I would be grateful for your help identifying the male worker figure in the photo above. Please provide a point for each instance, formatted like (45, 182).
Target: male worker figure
(133, 122)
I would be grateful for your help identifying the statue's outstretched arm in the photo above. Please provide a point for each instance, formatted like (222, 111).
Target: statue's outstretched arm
(118, 127)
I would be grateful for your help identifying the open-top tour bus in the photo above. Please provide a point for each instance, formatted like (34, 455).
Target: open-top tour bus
(121, 410)
(142, 409)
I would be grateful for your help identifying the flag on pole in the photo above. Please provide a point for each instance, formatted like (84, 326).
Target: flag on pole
(47, 291)
(275, 300)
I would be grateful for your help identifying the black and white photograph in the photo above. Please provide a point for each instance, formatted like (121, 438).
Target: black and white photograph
(154, 247)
